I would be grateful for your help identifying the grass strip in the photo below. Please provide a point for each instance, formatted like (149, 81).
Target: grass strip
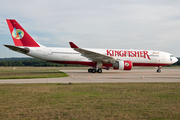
(32, 72)
(90, 101)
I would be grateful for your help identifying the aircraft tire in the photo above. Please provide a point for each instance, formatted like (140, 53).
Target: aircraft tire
(90, 70)
(93, 70)
(99, 71)
(158, 70)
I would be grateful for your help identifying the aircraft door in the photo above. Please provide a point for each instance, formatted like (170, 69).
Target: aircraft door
(50, 52)
(163, 57)
(47, 52)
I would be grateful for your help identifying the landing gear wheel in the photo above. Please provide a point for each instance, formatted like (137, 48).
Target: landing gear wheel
(93, 70)
(89, 70)
(99, 71)
(158, 70)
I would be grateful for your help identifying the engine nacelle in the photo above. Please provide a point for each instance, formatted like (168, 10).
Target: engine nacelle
(123, 65)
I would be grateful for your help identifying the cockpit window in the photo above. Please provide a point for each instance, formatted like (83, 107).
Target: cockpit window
(171, 55)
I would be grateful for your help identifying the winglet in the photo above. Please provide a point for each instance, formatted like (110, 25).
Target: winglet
(73, 45)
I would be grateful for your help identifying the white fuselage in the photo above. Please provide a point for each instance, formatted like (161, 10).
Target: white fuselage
(69, 56)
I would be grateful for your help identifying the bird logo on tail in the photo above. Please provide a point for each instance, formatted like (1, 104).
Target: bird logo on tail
(17, 33)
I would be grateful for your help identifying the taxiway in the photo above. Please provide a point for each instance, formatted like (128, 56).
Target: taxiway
(108, 76)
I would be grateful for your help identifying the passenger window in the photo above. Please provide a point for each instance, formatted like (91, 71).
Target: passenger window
(171, 55)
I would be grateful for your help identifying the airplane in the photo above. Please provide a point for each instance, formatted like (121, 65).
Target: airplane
(97, 59)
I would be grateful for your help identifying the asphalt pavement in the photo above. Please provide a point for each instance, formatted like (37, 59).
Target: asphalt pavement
(108, 76)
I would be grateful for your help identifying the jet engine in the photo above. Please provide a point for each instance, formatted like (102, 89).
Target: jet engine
(123, 65)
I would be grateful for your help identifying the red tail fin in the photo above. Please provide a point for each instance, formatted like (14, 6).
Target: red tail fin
(19, 35)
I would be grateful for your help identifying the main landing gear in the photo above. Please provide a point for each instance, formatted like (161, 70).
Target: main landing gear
(96, 68)
(93, 70)
(159, 69)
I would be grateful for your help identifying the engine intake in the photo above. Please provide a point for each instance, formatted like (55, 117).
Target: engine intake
(123, 65)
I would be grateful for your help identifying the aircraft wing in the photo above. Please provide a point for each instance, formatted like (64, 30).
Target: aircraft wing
(94, 56)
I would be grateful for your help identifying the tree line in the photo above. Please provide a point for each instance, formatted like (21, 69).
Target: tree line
(31, 62)
(40, 63)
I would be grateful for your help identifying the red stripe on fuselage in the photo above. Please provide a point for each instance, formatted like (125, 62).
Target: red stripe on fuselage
(107, 64)
(76, 63)
(150, 64)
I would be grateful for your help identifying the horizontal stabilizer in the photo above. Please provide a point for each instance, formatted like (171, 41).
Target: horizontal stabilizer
(18, 49)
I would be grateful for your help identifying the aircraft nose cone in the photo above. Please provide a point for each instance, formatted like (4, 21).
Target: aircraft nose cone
(176, 59)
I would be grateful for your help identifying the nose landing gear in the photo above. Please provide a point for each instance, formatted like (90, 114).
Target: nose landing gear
(159, 69)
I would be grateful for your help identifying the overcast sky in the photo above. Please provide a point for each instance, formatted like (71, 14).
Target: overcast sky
(121, 24)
